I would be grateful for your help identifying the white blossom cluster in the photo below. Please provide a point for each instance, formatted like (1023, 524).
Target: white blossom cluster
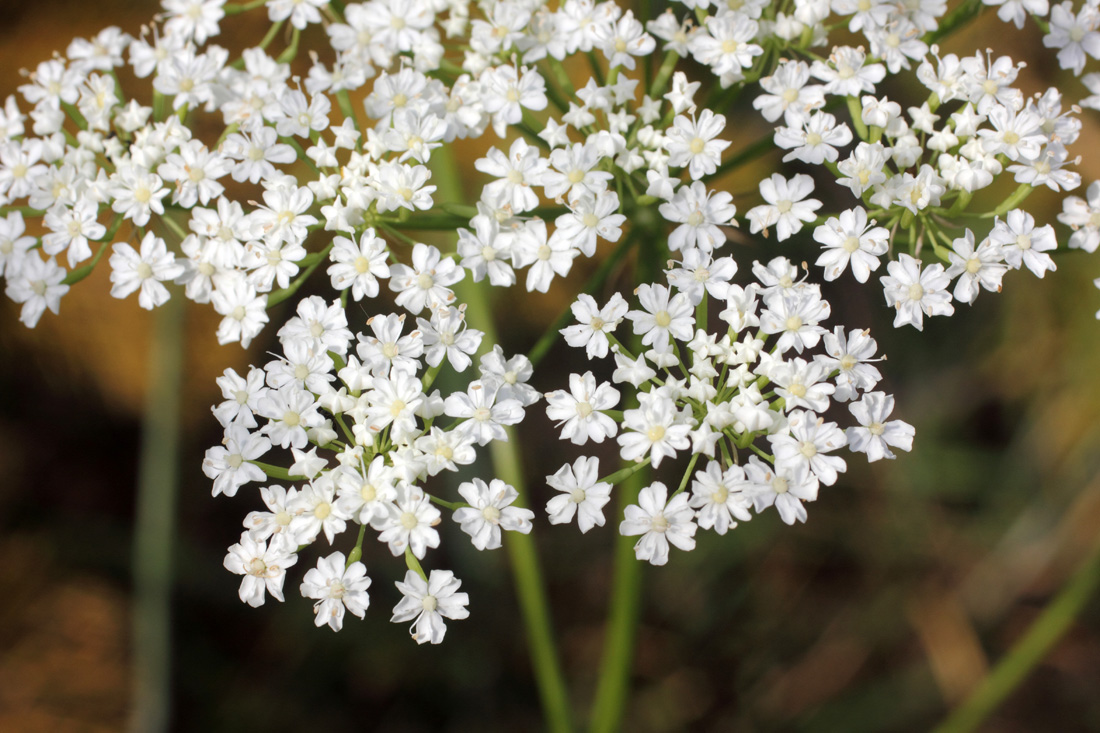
(96, 161)
(328, 153)
(750, 398)
(365, 431)
(917, 172)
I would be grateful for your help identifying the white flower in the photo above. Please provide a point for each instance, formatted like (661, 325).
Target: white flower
(487, 252)
(446, 335)
(847, 74)
(691, 143)
(230, 466)
(490, 511)
(515, 175)
(719, 496)
(787, 206)
(663, 316)
(484, 418)
(574, 172)
(242, 397)
(300, 12)
(809, 440)
(700, 214)
(1022, 243)
(507, 91)
(291, 411)
(851, 239)
(916, 293)
(786, 487)
(594, 324)
(795, 317)
(365, 495)
(815, 140)
(875, 435)
(387, 349)
(71, 229)
(335, 587)
(410, 523)
(393, 401)
(849, 357)
(244, 312)
(632, 371)
(698, 274)
(980, 267)
(788, 95)
(1083, 216)
(256, 153)
(137, 195)
(801, 384)
(577, 412)
(144, 271)
(315, 510)
(659, 524)
(426, 283)
(582, 494)
(656, 429)
(263, 568)
(590, 215)
(622, 41)
(725, 45)
(429, 603)
(1073, 35)
(508, 377)
(38, 286)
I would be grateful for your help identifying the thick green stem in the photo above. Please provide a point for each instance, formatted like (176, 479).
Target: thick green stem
(531, 591)
(758, 149)
(523, 556)
(613, 687)
(154, 536)
(507, 466)
(1029, 651)
(660, 83)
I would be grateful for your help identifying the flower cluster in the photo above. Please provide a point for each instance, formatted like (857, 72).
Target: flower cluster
(365, 430)
(749, 397)
(249, 171)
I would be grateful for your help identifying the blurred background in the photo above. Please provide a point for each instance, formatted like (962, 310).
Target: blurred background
(910, 580)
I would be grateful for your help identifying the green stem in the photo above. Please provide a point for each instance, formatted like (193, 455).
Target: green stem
(158, 477)
(660, 83)
(346, 108)
(1029, 651)
(597, 69)
(1022, 192)
(856, 112)
(561, 76)
(24, 210)
(963, 13)
(534, 604)
(413, 564)
(278, 296)
(276, 472)
(356, 553)
(234, 9)
(268, 37)
(761, 147)
(613, 687)
(291, 51)
(507, 465)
